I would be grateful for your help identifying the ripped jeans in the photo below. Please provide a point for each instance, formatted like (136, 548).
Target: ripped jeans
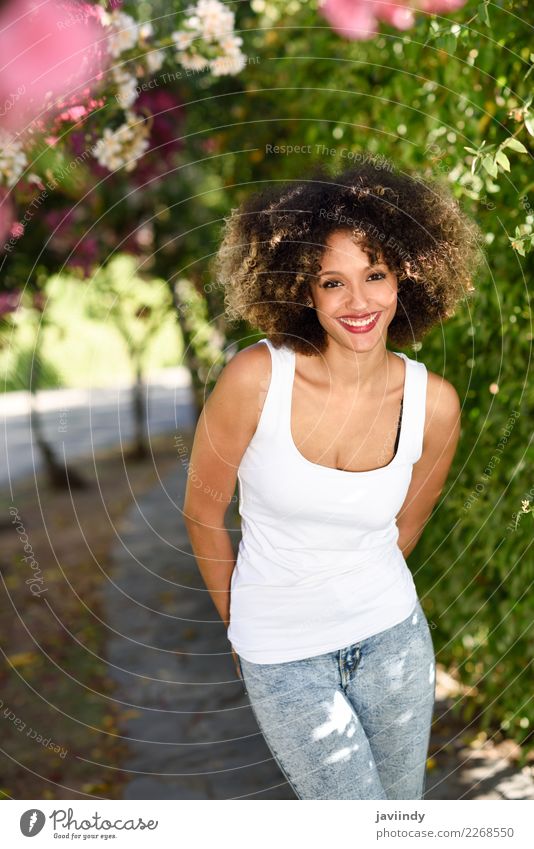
(353, 723)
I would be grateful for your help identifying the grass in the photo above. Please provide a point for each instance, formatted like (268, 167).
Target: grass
(77, 350)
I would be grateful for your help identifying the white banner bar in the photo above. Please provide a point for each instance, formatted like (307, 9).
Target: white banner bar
(252, 824)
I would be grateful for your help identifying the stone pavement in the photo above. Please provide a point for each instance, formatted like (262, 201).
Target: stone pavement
(189, 725)
(77, 422)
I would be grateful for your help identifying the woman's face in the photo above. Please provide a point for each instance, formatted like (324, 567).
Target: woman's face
(355, 301)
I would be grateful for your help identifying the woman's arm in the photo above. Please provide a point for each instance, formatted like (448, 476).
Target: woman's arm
(442, 431)
(225, 427)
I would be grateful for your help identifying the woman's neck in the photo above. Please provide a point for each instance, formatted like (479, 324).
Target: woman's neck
(358, 371)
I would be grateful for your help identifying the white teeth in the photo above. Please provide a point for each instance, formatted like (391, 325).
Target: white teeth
(362, 322)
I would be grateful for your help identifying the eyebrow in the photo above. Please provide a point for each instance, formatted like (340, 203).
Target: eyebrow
(367, 268)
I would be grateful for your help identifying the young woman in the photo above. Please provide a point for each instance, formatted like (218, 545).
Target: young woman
(341, 448)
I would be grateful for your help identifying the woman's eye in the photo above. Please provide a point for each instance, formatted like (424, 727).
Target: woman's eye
(377, 275)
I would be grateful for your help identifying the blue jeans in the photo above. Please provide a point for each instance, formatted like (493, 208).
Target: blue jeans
(353, 723)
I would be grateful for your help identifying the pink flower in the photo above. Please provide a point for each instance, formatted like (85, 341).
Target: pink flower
(74, 113)
(358, 19)
(6, 214)
(49, 49)
(69, 237)
(17, 229)
(167, 113)
(354, 19)
(436, 6)
(9, 302)
(85, 256)
(398, 14)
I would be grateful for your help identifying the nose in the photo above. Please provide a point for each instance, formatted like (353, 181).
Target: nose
(356, 298)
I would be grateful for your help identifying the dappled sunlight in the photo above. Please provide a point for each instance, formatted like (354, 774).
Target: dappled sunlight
(341, 719)
(341, 754)
(404, 717)
(393, 673)
(340, 715)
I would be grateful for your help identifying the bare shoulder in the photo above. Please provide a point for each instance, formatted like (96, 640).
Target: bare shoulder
(443, 407)
(225, 427)
(442, 399)
(256, 357)
(248, 369)
(241, 388)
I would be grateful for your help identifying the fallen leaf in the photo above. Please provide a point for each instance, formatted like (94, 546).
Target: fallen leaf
(24, 658)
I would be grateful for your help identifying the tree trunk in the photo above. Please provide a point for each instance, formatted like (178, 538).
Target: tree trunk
(60, 475)
(140, 449)
(193, 363)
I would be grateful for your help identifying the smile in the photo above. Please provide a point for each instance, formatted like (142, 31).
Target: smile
(360, 324)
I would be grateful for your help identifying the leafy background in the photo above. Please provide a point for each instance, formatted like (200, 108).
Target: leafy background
(451, 97)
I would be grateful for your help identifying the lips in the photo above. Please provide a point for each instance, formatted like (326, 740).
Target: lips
(360, 324)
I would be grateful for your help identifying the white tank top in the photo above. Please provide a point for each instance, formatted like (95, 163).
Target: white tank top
(318, 566)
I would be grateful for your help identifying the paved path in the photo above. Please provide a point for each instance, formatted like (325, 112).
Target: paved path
(78, 421)
(190, 726)
(191, 729)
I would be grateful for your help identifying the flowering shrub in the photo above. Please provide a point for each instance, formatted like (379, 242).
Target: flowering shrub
(358, 19)
(124, 146)
(112, 41)
(207, 40)
(13, 160)
(49, 49)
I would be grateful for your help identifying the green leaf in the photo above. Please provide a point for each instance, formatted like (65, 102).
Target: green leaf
(490, 166)
(483, 14)
(447, 42)
(514, 144)
(503, 160)
(529, 124)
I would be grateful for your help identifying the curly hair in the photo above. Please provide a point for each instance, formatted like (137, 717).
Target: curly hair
(273, 243)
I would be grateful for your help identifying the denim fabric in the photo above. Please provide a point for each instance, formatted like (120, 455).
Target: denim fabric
(353, 723)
